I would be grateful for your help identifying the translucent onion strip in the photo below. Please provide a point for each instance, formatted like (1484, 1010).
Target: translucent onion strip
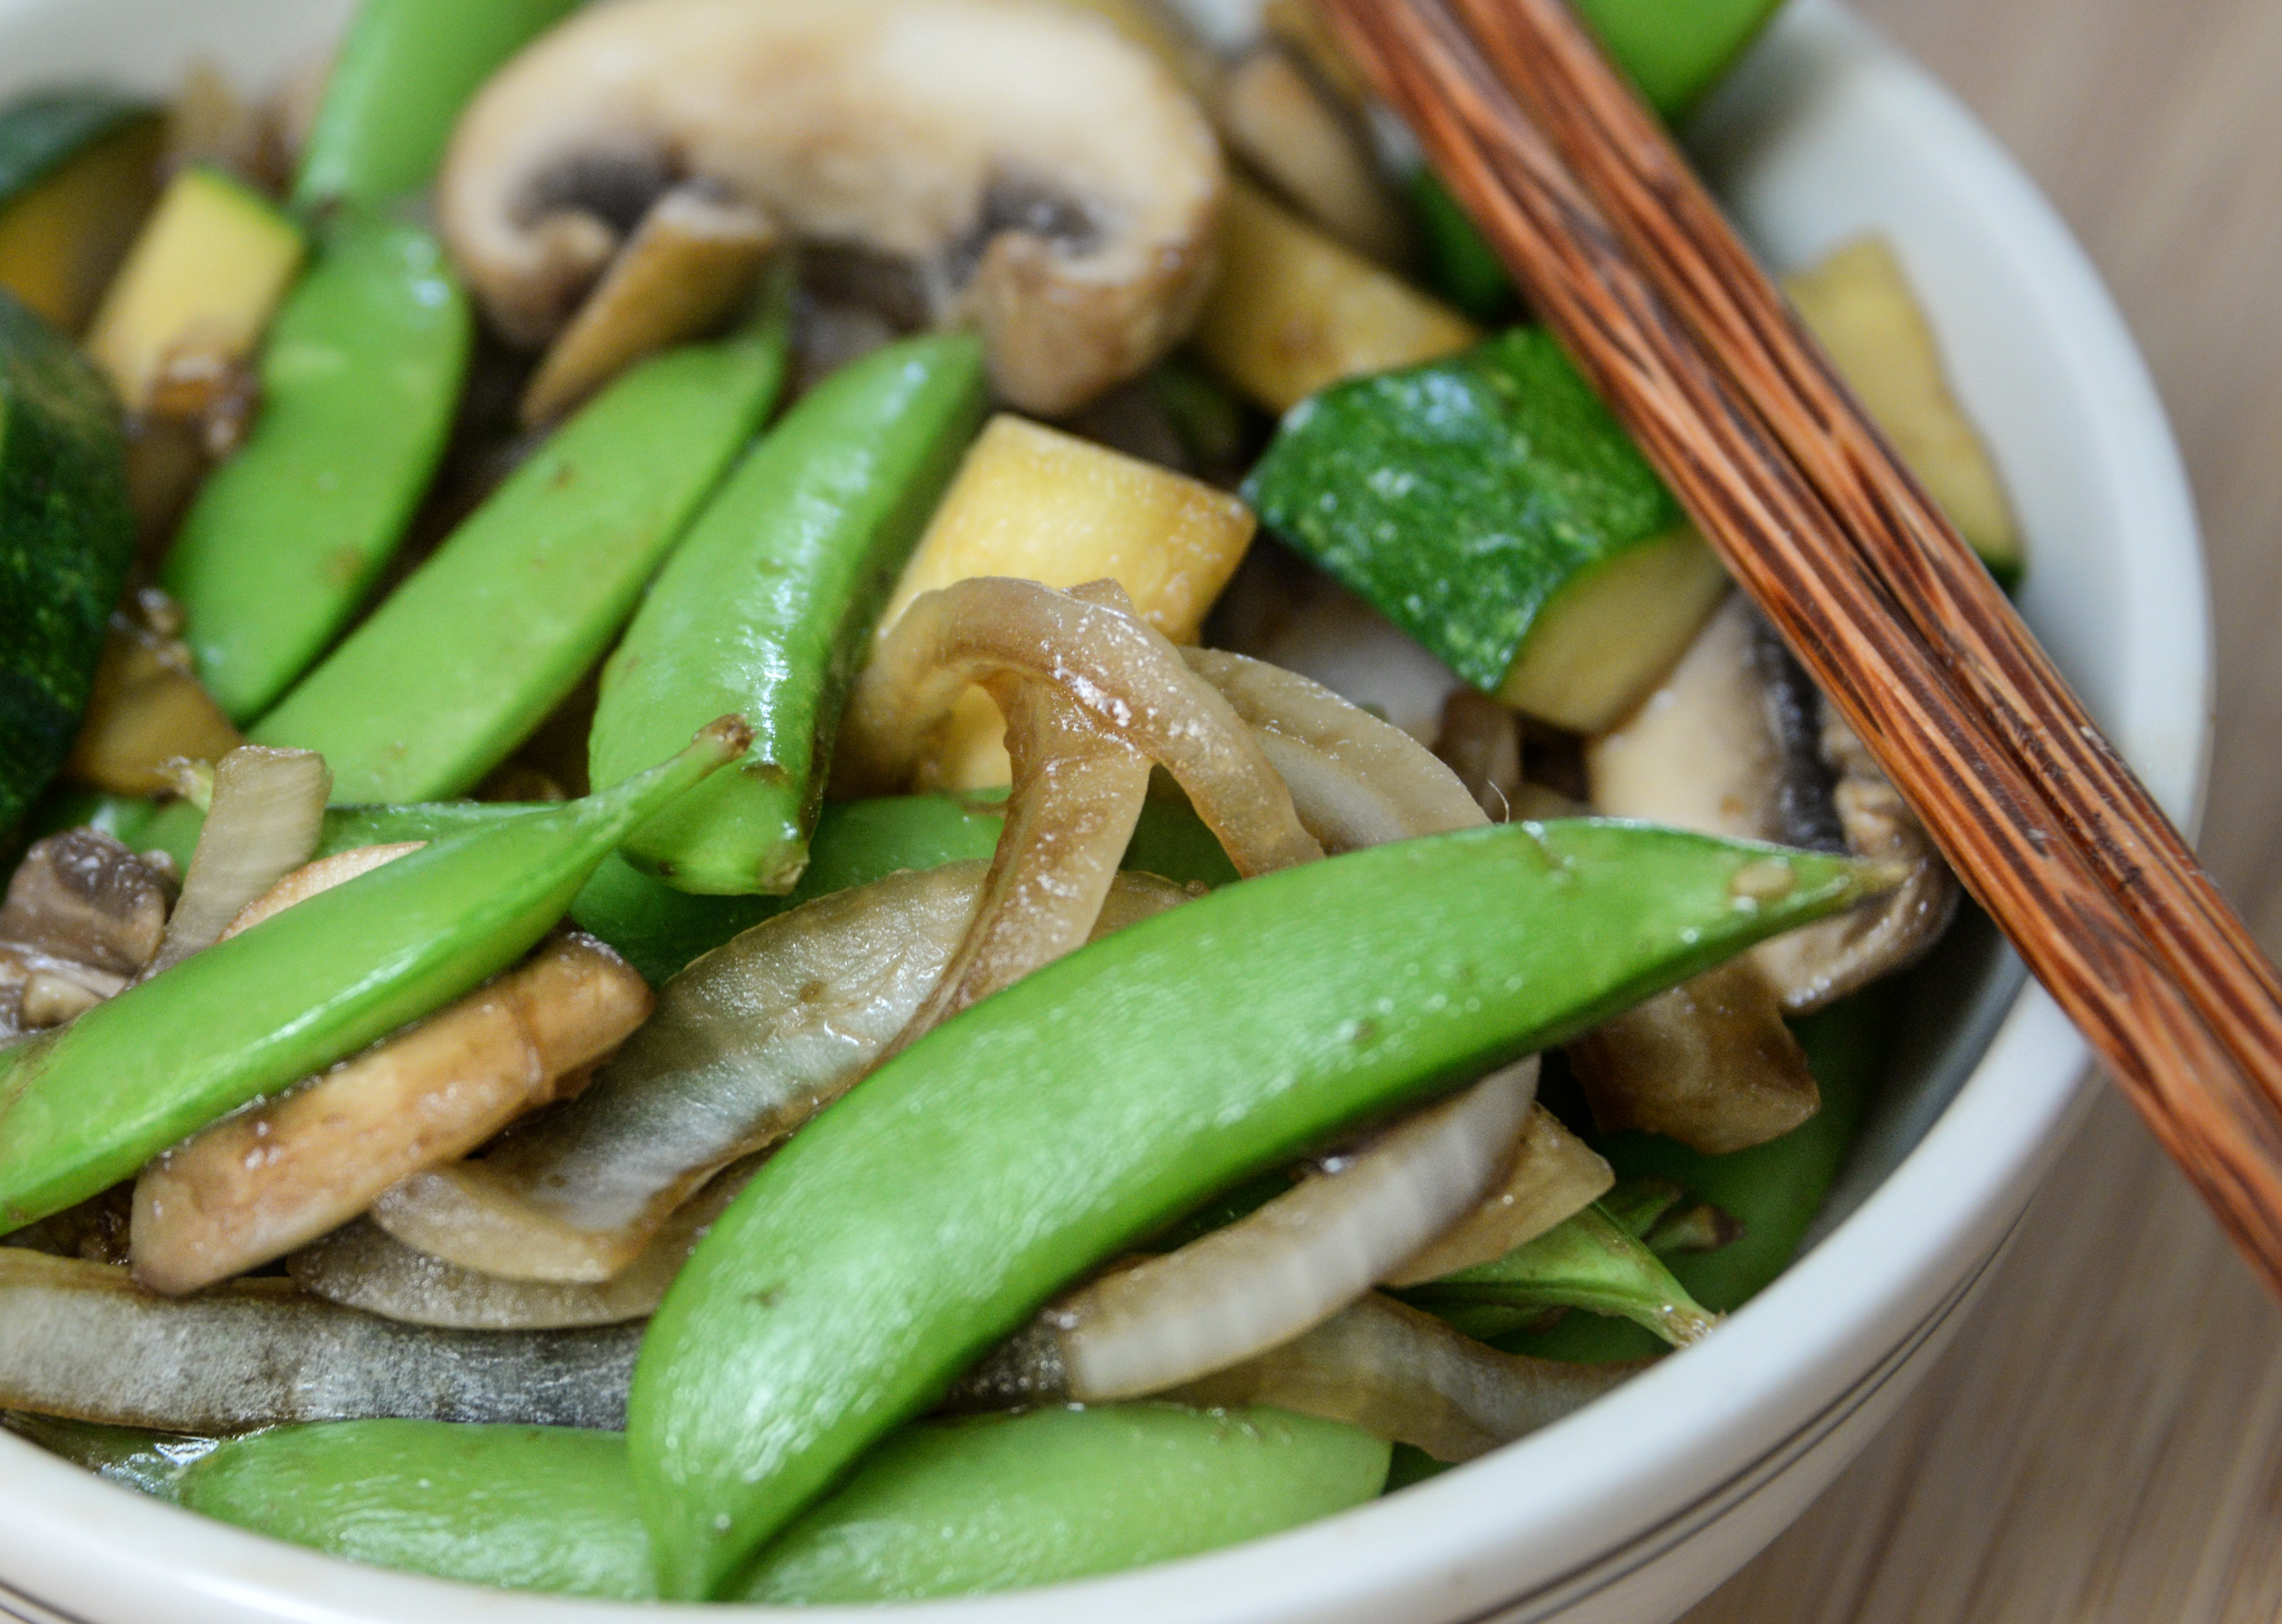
(1077, 793)
(1299, 1260)
(1130, 682)
(268, 811)
(1355, 779)
(1380, 1365)
(1553, 1177)
(81, 1340)
(363, 1266)
(1402, 1373)
(264, 1181)
(747, 1044)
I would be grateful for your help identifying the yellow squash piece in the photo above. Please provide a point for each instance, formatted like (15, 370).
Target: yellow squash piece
(1294, 311)
(62, 236)
(1859, 303)
(202, 280)
(1040, 505)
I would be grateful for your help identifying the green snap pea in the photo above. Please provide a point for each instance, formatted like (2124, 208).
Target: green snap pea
(1590, 1262)
(1091, 1103)
(361, 378)
(472, 652)
(405, 71)
(85, 1105)
(764, 610)
(944, 1509)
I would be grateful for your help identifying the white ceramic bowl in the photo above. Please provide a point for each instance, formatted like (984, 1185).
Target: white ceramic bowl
(1639, 1506)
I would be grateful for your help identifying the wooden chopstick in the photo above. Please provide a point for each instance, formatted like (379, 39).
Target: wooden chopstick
(1791, 550)
(1666, 217)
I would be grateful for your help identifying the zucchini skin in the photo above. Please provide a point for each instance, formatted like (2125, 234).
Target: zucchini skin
(66, 538)
(40, 132)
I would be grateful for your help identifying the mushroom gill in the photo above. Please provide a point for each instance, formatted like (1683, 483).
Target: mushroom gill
(1046, 179)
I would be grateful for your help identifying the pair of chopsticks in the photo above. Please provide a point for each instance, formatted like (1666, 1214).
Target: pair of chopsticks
(1625, 255)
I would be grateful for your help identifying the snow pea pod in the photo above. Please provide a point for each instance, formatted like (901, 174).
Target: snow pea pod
(487, 637)
(360, 380)
(957, 1508)
(1588, 1261)
(85, 1105)
(764, 609)
(405, 70)
(1064, 1118)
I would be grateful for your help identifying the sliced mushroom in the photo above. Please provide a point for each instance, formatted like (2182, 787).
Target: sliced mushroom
(1737, 742)
(1045, 178)
(694, 258)
(1275, 119)
(257, 1185)
(147, 706)
(84, 898)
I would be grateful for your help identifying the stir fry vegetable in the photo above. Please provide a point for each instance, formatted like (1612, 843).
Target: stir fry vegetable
(1067, 1069)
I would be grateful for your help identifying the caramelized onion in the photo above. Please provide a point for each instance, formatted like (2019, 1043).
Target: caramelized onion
(1076, 794)
(1122, 672)
(264, 1181)
(1355, 779)
(363, 1266)
(747, 1044)
(1555, 1176)
(1401, 1374)
(81, 1340)
(312, 878)
(268, 811)
(1299, 1259)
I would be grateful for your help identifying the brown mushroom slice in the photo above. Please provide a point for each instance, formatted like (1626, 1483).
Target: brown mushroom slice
(82, 1340)
(694, 260)
(1046, 178)
(81, 896)
(259, 1184)
(363, 1266)
(1273, 117)
(1822, 963)
(1709, 1062)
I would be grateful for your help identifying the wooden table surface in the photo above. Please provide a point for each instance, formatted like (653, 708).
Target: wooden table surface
(2103, 1444)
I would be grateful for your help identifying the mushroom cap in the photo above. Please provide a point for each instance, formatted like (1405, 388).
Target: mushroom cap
(1046, 177)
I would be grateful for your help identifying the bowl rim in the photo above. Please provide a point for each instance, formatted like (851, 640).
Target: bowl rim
(1882, 1285)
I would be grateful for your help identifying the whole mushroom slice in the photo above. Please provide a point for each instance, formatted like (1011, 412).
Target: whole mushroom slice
(1737, 742)
(1045, 178)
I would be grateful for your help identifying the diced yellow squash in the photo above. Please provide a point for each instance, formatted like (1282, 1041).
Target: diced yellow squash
(1859, 303)
(1294, 312)
(202, 279)
(1600, 644)
(62, 237)
(1036, 504)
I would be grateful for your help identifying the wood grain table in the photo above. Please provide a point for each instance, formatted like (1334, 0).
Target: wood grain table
(2103, 1445)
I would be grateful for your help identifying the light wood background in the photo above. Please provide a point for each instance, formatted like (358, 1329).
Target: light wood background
(2104, 1443)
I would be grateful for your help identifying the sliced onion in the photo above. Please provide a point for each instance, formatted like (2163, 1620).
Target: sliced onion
(311, 878)
(747, 1045)
(1555, 1176)
(1355, 779)
(267, 811)
(260, 1183)
(1305, 1255)
(1401, 1374)
(363, 1266)
(1077, 793)
(1129, 681)
(1382, 1366)
(81, 1340)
